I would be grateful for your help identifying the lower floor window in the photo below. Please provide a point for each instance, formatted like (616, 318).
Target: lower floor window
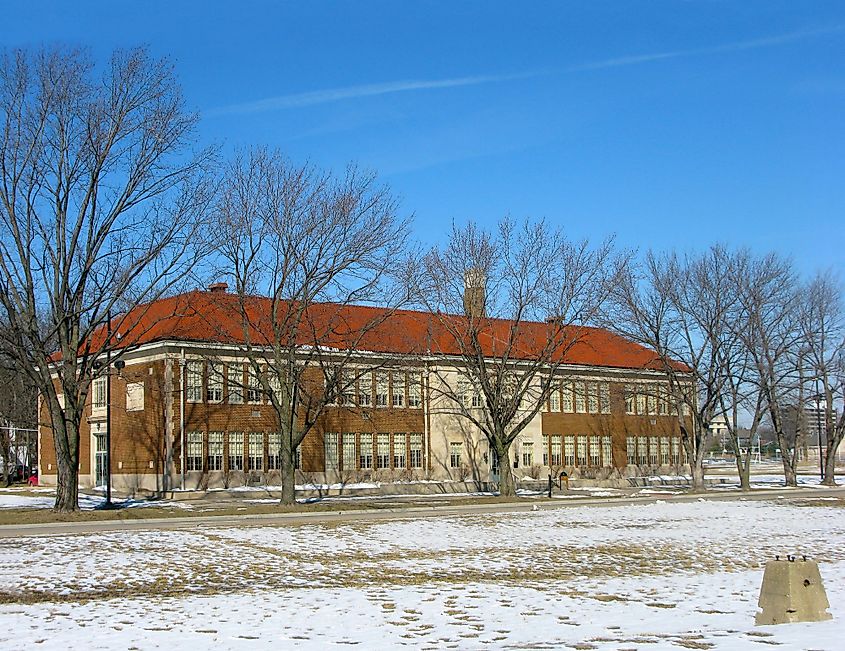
(215, 450)
(455, 450)
(349, 453)
(236, 450)
(631, 449)
(366, 453)
(676, 450)
(256, 451)
(528, 454)
(664, 450)
(595, 451)
(569, 450)
(330, 442)
(383, 450)
(399, 447)
(581, 451)
(274, 445)
(416, 451)
(607, 451)
(193, 451)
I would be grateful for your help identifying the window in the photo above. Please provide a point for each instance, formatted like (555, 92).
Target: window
(662, 400)
(554, 398)
(527, 454)
(545, 449)
(653, 455)
(642, 450)
(398, 450)
(629, 399)
(607, 451)
(193, 382)
(365, 390)
(330, 444)
(464, 394)
(349, 461)
(676, 451)
(253, 390)
(382, 450)
(455, 450)
(214, 387)
(274, 383)
(193, 451)
(256, 451)
(664, 450)
(235, 380)
(416, 450)
(631, 449)
(236, 450)
(215, 451)
(414, 390)
(274, 451)
(580, 397)
(651, 400)
(593, 397)
(397, 384)
(556, 450)
(366, 453)
(297, 457)
(640, 403)
(604, 398)
(569, 450)
(475, 399)
(581, 451)
(347, 388)
(381, 390)
(595, 451)
(566, 397)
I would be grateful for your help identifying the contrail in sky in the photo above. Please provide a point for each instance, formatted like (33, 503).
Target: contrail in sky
(314, 98)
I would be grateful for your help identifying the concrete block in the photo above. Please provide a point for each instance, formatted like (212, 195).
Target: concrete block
(792, 591)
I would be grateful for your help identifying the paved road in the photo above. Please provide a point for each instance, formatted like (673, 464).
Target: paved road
(399, 512)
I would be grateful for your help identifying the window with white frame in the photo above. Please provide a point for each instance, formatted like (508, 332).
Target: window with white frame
(593, 397)
(604, 397)
(653, 451)
(215, 451)
(607, 451)
(350, 461)
(382, 450)
(455, 454)
(676, 450)
(382, 389)
(235, 382)
(580, 397)
(641, 402)
(193, 381)
(595, 451)
(347, 389)
(193, 451)
(274, 383)
(475, 397)
(557, 450)
(631, 449)
(566, 402)
(554, 397)
(330, 441)
(581, 450)
(214, 385)
(256, 451)
(365, 389)
(416, 450)
(651, 400)
(463, 392)
(397, 388)
(415, 380)
(274, 451)
(399, 446)
(630, 394)
(664, 450)
(662, 400)
(253, 390)
(365, 456)
(642, 450)
(545, 449)
(569, 450)
(236, 450)
(527, 454)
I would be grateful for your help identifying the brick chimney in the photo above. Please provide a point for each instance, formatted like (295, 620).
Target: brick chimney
(474, 293)
(218, 288)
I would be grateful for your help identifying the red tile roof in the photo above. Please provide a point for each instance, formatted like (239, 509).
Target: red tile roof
(214, 317)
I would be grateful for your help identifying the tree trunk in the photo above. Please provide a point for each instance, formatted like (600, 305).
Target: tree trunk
(829, 466)
(288, 470)
(66, 440)
(506, 484)
(789, 475)
(697, 472)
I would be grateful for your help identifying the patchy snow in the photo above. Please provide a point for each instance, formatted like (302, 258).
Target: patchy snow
(644, 576)
(86, 502)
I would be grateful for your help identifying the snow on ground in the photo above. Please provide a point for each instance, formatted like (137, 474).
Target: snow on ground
(657, 576)
(46, 499)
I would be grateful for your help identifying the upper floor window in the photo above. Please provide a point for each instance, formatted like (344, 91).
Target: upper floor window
(604, 398)
(566, 397)
(414, 389)
(381, 389)
(193, 381)
(214, 387)
(253, 389)
(397, 384)
(593, 397)
(235, 382)
(365, 389)
(580, 397)
(554, 398)
(98, 394)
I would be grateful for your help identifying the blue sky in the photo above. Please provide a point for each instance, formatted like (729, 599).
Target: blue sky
(671, 124)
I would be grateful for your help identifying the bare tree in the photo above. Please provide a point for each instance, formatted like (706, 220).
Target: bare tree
(769, 299)
(681, 307)
(822, 326)
(301, 247)
(512, 304)
(99, 198)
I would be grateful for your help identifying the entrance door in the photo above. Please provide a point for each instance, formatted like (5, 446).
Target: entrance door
(100, 456)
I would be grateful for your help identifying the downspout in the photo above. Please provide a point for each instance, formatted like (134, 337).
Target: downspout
(182, 415)
(426, 434)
